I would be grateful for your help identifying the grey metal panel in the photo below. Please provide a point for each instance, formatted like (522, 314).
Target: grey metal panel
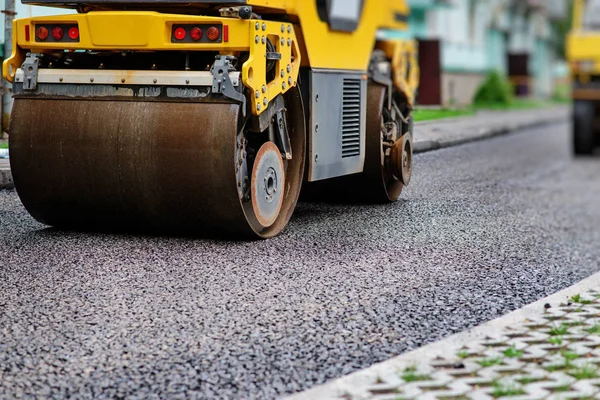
(337, 123)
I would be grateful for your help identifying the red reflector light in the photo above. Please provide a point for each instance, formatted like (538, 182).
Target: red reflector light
(226, 33)
(58, 33)
(180, 33)
(27, 34)
(74, 33)
(42, 33)
(212, 33)
(196, 33)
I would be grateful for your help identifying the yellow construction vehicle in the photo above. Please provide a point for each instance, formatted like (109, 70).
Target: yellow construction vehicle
(199, 116)
(583, 52)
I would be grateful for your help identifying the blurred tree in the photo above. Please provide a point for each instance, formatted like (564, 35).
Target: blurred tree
(561, 28)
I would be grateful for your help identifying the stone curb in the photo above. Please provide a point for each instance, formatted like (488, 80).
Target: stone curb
(422, 146)
(6, 180)
(356, 385)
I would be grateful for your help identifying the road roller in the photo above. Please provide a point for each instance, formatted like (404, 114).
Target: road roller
(208, 117)
(583, 53)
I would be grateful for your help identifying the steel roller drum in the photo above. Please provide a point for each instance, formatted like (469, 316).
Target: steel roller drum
(129, 165)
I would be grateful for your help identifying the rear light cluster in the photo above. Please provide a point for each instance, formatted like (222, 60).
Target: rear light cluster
(57, 33)
(200, 33)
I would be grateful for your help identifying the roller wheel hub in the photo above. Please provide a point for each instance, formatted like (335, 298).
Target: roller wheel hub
(400, 160)
(268, 183)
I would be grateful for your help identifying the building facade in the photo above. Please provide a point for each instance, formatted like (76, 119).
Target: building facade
(514, 37)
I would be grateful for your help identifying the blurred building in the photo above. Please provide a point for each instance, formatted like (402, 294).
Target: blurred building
(462, 40)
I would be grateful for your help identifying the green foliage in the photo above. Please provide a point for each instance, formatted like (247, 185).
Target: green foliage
(506, 389)
(432, 114)
(594, 329)
(584, 372)
(561, 27)
(559, 330)
(578, 299)
(512, 352)
(463, 354)
(558, 367)
(529, 379)
(488, 362)
(569, 356)
(410, 375)
(3, 145)
(495, 90)
(563, 388)
(562, 94)
(555, 340)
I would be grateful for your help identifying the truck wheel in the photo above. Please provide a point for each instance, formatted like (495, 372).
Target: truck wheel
(583, 127)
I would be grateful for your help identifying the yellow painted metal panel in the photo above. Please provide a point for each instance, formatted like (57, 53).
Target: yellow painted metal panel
(125, 30)
(404, 57)
(584, 48)
(343, 50)
(254, 71)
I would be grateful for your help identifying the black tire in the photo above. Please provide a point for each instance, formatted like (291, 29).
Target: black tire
(583, 127)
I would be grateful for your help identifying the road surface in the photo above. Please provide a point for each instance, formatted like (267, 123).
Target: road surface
(484, 229)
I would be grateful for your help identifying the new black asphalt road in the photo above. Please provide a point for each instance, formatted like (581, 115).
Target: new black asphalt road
(485, 228)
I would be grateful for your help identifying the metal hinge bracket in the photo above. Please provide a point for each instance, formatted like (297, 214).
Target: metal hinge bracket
(30, 71)
(222, 83)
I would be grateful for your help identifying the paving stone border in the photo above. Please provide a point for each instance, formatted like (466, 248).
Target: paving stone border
(6, 180)
(547, 350)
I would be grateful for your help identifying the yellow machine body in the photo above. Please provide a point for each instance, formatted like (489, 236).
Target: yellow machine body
(583, 56)
(278, 84)
(316, 45)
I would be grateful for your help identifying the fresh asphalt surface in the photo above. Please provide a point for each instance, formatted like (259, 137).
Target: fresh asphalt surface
(484, 229)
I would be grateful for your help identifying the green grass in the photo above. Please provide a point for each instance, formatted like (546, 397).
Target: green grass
(577, 299)
(558, 367)
(433, 114)
(529, 379)
(410, 375)
(584, 372)
(488, 362)
(512, 352)
(506, 389)
(563, 388)
(569, 356)
(3, 145)
(463, 354)
(559, 330)
(594, 329)
(555, 340)
(517, 104)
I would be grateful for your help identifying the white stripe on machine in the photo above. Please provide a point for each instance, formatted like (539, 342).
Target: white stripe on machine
(121, 77)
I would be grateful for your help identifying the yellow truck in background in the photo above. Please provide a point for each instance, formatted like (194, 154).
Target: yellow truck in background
(583, 53)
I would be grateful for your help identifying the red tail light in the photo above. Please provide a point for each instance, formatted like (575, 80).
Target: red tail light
(196, 33)
(180, 33)
(27, 34)
(42, 33)
(74, 33)
(58, 33)
(212, 33)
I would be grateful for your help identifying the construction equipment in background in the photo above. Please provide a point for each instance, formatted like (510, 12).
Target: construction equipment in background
(583, 53)
(204, 116)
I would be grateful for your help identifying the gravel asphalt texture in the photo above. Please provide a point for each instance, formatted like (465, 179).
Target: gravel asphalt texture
(485, 228)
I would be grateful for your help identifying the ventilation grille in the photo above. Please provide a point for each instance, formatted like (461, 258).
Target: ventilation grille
(351, 118)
